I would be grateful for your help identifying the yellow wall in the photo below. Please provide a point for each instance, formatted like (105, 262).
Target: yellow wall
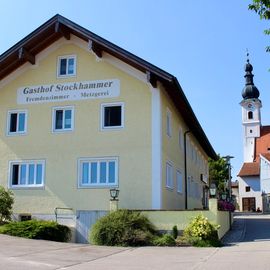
(132, 144)
(172, 152)
(165, 220)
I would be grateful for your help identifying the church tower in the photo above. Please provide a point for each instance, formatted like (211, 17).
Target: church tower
(251, 115)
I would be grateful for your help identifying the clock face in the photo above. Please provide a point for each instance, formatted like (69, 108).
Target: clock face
(251, 107)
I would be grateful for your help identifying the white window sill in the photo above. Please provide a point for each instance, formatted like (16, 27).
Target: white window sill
(98, 186)
(14, 134)
(26, 187)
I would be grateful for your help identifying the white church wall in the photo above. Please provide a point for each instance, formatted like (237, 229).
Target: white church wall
(255, 190)
(265, 175)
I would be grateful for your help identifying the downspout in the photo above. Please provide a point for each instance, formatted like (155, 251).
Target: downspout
(185, 162)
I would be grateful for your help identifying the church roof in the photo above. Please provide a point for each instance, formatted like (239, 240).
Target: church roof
(250, 169)
(262, 145)
(266, 156)
(58, 27)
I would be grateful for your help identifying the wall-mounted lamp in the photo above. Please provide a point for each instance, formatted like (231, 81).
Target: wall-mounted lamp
(213, 190)
(114, 194)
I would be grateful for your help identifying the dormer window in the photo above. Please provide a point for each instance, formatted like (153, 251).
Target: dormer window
(250, 115)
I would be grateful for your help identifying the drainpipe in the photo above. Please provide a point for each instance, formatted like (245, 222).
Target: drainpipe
(185, 161)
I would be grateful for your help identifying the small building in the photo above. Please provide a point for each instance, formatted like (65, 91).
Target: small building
(81, 116)
(235, 194)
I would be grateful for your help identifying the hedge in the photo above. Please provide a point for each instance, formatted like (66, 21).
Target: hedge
(37, 229)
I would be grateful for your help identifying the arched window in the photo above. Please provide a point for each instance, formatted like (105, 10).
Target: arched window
(250, 115)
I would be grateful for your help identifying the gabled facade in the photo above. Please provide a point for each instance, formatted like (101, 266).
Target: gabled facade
(81, 116)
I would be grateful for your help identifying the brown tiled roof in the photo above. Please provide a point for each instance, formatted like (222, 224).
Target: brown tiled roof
(250, 169)
(266, 156)
(262, 143)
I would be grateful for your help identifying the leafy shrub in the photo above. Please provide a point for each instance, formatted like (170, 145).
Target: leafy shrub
(122, 228)
(174, 232)
(37, 229)
(164, 240)
(6, 202)
(200, 232)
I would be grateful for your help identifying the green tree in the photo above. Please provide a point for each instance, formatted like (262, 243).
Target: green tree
(262, 8)
(218, 173)
(6, 202)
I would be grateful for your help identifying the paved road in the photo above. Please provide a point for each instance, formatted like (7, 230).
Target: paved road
(257, 228)
(248, 247)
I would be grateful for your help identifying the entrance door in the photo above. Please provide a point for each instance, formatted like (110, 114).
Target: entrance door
(249, 204)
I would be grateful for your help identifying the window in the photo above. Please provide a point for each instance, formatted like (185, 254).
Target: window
(189, 185)
(192, 152)
(181, 138)
(27, 173)
(98, 172)
(250, 115)
(191, 188)
(169, 123)
(63, 119)
(169, 175)
(66, 66)
(17, 122)
(247, 189)
(112, 116)
(179, 181)
(197, 191)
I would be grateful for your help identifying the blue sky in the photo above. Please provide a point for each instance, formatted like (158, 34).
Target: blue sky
(202, 43)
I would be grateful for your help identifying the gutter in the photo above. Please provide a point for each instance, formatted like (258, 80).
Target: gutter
(185, 161)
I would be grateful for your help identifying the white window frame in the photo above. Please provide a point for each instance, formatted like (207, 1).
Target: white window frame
(63, 108)
(169, 175)
(190, 186)
(58, 66)
(24, 132)
(179, 183)
(169, 123)
(181, 138)
(98, 160)
(27, 163)
(102, 115)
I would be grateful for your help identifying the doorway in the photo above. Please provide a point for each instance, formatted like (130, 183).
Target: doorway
(249, 204)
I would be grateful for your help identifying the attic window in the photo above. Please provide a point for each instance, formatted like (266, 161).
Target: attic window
(66, 66)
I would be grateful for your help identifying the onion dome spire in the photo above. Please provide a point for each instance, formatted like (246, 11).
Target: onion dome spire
(250, 90)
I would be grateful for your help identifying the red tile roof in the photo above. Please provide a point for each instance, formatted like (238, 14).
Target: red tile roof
(263, 143)
(262, 147)
(250, 169)
(266, 156)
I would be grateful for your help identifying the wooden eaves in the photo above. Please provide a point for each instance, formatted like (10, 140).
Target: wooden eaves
(58, 26)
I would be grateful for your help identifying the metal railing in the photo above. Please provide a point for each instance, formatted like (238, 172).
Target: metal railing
(60, 208)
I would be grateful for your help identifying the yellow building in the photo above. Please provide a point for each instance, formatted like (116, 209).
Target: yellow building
(79, 116)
